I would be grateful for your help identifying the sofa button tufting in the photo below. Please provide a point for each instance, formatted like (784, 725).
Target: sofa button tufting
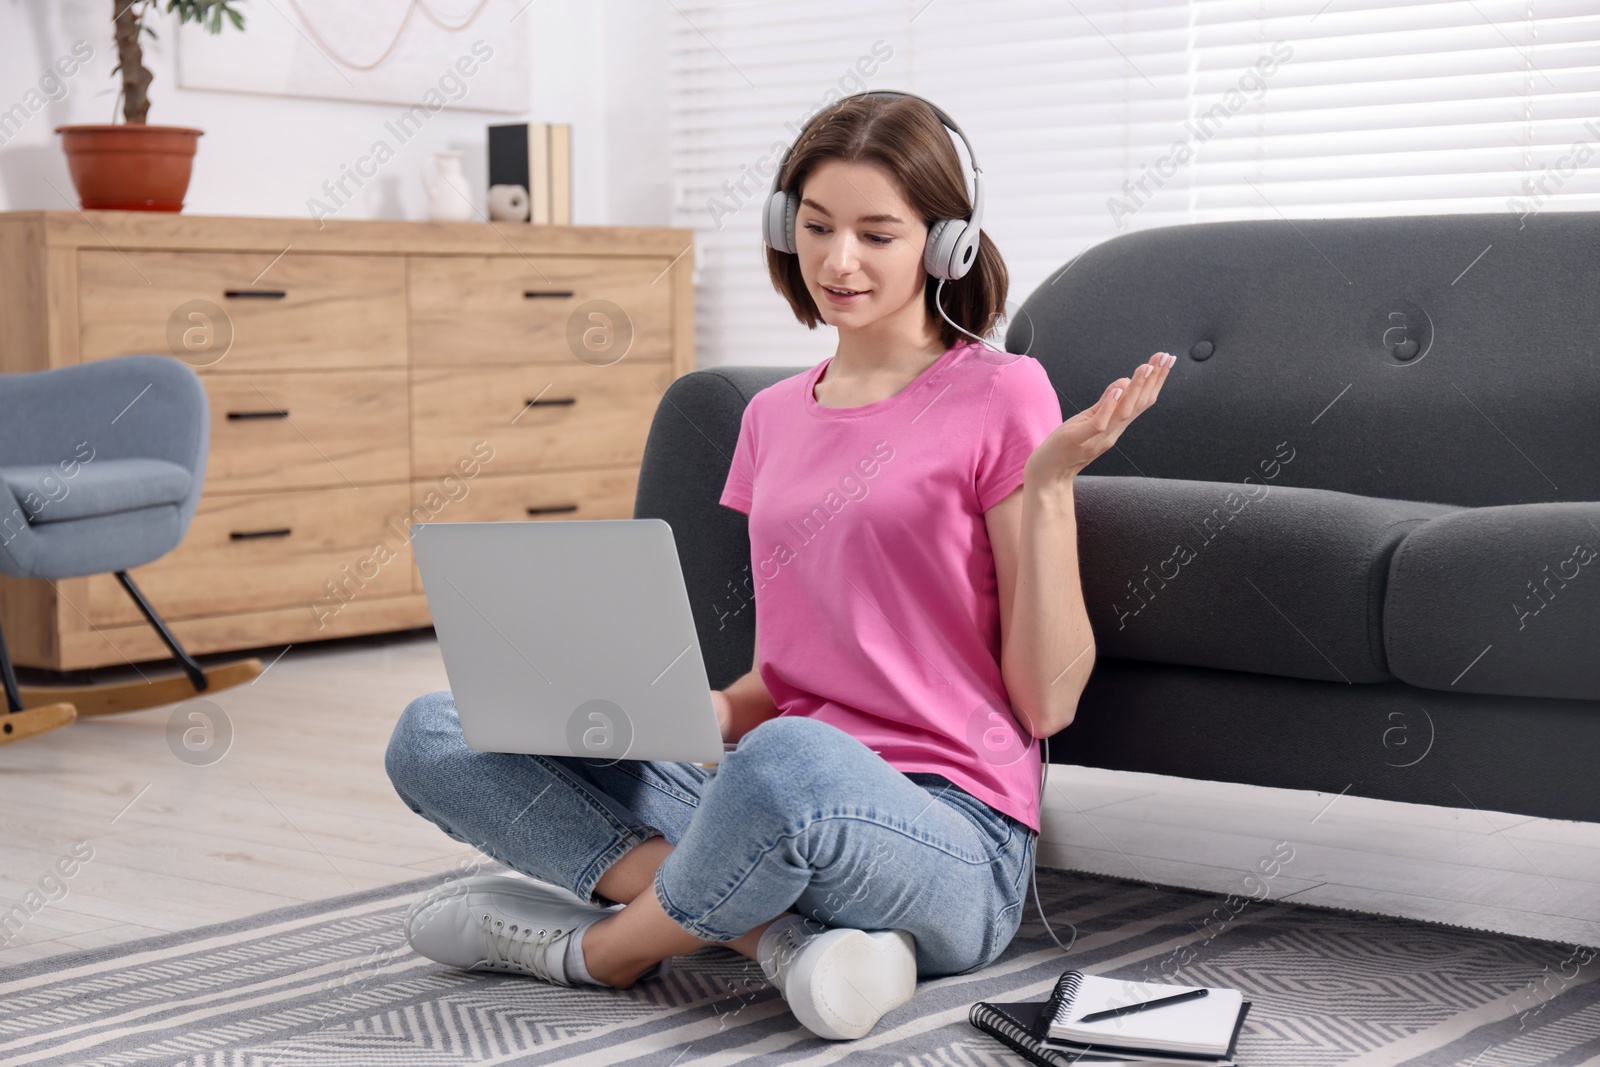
(1202, 350)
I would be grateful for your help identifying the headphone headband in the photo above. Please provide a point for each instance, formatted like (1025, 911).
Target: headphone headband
(949, 123)
(952, 245)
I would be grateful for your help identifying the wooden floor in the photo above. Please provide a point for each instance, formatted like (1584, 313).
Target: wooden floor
(300, 809)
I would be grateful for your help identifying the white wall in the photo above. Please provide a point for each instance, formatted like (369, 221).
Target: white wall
(600, 66)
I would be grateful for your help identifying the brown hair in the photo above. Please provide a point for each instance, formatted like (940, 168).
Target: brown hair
(905, 137)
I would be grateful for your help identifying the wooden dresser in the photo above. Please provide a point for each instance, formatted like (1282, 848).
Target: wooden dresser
(362, 376)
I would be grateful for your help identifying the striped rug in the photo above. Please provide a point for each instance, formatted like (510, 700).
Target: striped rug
(334, 983)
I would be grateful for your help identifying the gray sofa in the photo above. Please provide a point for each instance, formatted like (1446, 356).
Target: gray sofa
(1353, 547)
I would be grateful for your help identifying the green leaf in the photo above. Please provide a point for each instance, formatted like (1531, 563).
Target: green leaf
(208, 14)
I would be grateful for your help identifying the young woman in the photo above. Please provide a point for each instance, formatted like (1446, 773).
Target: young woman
(920, 625)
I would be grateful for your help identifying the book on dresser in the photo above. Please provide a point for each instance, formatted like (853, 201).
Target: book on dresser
(1130, 1023)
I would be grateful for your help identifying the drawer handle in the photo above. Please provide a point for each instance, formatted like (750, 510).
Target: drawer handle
(549, 509)
(256, 294)
(249, 535)
(536, 294)
(258, 415)
(536, 402)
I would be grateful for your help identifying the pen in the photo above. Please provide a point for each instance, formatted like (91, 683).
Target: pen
(1127, 1009)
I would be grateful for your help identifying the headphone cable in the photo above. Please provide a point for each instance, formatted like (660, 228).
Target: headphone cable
(1044, 769)
(940, 305)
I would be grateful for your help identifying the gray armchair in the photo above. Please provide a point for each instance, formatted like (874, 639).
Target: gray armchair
(101, 467)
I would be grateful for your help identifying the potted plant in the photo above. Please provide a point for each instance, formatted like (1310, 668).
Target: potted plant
(133, 166)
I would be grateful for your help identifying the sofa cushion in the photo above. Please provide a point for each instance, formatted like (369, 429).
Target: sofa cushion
(1502, 600)
(100, 487)
(1242, 576)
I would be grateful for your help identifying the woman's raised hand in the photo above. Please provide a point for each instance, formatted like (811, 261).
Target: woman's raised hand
(1080, 440)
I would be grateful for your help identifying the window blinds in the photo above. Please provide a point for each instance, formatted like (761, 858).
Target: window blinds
(1095, 117)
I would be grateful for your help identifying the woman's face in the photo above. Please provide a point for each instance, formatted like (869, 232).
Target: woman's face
(854, 231)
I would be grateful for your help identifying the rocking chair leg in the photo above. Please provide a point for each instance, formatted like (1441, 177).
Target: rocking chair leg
(9, 678)
(197, 675)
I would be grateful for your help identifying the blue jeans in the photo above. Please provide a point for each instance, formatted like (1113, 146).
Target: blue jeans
(801, 817)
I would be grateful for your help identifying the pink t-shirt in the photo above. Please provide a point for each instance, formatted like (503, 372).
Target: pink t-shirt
(875, 587)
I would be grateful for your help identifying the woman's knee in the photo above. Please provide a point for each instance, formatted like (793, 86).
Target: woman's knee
(788, 759)
(790, 740)
(784, 773)
(427, 732)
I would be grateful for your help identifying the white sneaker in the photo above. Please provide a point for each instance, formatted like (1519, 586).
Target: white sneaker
(841, 981)
(492, 922)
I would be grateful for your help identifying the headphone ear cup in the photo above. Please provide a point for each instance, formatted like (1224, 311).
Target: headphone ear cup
(777, 224)
(952, 249)
(941, 241)
(791, 208)
(964, 251)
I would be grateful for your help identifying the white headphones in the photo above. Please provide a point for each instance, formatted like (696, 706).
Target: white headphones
(952, 243)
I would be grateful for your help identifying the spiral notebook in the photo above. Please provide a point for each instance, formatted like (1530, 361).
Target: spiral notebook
(1201, 1027)
(1017, 1025)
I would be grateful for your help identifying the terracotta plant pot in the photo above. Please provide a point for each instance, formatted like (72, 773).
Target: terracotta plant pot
(130, 167)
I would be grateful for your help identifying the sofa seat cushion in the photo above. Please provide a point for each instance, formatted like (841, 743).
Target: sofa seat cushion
(1502, 600)
(1241, 576)
(101, 487)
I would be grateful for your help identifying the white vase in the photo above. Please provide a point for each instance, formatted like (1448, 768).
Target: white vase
(508, 203)
(449, 192)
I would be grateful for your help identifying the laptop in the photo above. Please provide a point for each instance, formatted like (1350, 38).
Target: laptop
(569, 638)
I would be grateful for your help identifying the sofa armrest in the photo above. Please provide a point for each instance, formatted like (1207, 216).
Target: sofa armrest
(1501, 600)
(685, 465)
(1246, 576)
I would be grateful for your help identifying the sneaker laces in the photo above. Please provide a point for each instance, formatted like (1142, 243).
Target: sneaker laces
(520, 946)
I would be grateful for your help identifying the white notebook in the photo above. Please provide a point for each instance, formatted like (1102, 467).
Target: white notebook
(1201, 1025)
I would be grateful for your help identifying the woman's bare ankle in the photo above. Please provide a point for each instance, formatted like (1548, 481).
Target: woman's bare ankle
(745, 944)
(603, 960)
(634, 871)
(613, 973)
(618, 977)
(619, 947)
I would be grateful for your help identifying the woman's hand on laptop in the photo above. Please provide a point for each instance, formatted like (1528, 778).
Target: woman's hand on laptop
(743, 706)
(719, 700)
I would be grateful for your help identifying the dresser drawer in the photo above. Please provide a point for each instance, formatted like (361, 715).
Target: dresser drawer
(536, 417)
(228, 311)
(316, 549)
(304, 429)
(605, 493)
(552, 309)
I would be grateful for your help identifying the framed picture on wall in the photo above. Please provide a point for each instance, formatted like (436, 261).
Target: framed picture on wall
(469, 54)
